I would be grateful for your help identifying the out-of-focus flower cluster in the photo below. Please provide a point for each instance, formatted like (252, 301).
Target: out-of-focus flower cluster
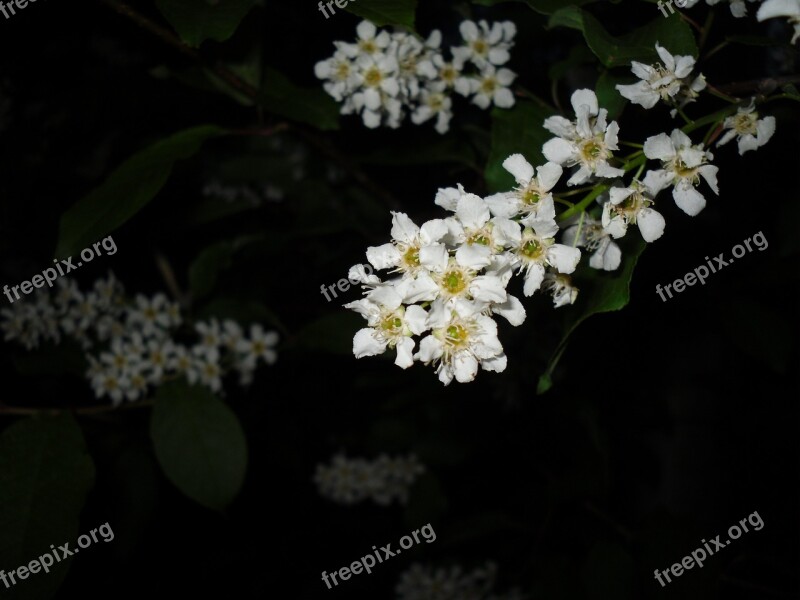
(453, 583)
(383, 76)
(384, 480)
(450, 276)
(132, 346)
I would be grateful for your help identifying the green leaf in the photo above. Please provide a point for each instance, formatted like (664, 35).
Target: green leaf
(127, 190)
(385, 12)
(199, 444)
(45, 475)
(545, 7)
(600, 292)
(672, 33)
(332, 333)
(211, 262)
(445, 150)
(607, 95)
(515, 130)
(313, 106)
(200, 20)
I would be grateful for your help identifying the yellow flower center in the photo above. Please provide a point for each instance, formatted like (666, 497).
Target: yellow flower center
(373, 77)
(532, 249)
(480, 47)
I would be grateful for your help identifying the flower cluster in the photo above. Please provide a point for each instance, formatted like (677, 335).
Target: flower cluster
(426, 583)
(738, 7)
(669, 81)
(449, 276)
(382, 75)
(383, 480)
(131, 345)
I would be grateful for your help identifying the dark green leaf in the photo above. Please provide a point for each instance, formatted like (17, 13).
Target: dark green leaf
(45, 476)
(200, 20)
(600, 292)
(607, 95)
(518, 130)
(280, 96)
(385, 12)
(207, 267)
(199, 444)
(545, 7)
(332, 333)
(672, 33)
(127, 190)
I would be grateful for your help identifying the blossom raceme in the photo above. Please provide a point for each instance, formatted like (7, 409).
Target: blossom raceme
(683, 164)
(130, 344)
(668, 81)
(385, 76)
(587, 142)
(751, 132)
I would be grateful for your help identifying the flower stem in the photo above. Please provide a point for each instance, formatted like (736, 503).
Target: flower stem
(580, 206)
(575, 191)
(631, 144)
(683, 115)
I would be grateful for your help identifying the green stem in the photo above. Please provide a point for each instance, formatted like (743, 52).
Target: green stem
(712, 118)
(632, 145)
(706, 30)
(683, 115)
(575, 191)
(715, 92)
(564, 202)
(578, 233)
(580, 206)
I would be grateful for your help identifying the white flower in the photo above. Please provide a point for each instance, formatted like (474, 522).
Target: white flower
(112, 384)
(210, 334)
(205, 368)
(444, 73)
(662, 81)
(123, 356)
(391, 325)
(561, 288)
(409, 242)
(460, 341)
(151, 315)
(782, 8)
(738, 7)
(591, 234)
(491, 87)
(587, 142)
(682, 166)
(340, 73)
(473, 224)
(346, 481)
(485, 44)
(369, 43)
(378, 83)
(260, 345)
(751, 131)
(156, 359)
(632, 205)
(532, 198)
(434, 104)
(538, 249)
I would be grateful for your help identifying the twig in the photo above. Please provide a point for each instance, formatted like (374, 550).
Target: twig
(20, 411)
(251, 92)
(764, 86)
(171, 39)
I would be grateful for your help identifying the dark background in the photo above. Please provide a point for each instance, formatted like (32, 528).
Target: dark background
(667, 422)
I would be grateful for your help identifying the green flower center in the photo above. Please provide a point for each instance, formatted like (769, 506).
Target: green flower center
(454, 282)
(532, 249)
(373, 77)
